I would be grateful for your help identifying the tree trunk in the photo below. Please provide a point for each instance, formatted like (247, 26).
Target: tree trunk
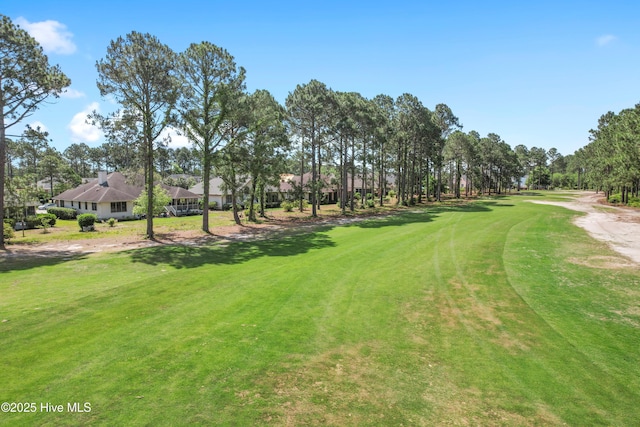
(149, 149)
(206, 186)
(301, 175)
(252, 214)
(314, 173)
(3, 157)
(234, 205)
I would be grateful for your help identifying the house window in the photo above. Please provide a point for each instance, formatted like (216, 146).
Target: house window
(85, 206)
(94, 206)
(72, 203)
(118, 207)
(62, 203)
(229, 198)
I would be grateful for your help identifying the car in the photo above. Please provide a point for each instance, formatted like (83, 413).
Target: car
(46, 206)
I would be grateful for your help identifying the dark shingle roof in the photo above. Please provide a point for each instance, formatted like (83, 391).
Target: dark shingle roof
(115, 189)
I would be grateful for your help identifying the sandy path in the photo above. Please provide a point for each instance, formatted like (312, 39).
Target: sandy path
(619, 227)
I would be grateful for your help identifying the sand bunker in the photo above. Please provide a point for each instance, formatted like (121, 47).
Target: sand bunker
(619, 227)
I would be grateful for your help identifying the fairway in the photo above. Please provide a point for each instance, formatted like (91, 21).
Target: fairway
(493, 312)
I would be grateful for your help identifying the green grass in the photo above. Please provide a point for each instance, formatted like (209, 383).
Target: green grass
(498, 312)
(69, 229)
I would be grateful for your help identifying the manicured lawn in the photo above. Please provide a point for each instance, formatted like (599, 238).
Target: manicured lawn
(497, 312)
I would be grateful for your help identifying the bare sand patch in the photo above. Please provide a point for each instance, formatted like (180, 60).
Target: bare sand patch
(618, 227)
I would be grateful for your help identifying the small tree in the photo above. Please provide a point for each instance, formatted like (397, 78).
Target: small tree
(160, 199)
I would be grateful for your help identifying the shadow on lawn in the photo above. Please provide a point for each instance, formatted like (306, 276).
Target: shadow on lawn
(282, 244)
(26, 260)
(234, 252)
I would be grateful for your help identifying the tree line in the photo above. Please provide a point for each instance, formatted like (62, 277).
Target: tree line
(611, 160)
(249, 137)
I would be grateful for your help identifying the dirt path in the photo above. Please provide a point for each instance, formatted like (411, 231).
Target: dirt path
(247, 232)
(619, 227)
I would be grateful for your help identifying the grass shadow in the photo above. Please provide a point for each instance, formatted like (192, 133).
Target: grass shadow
(233, 252)
(11, 261)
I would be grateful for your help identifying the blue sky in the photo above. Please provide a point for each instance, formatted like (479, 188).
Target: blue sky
(536, 73)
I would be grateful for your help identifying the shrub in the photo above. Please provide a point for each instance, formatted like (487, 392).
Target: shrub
(32, 221)
(112, 222)
(86, 221)
(634, 202)
(392, 193)
(11, 222)
(287, 205)
(48, 216)
(256, 209)
(63, 213)
(7, 232)
(615, 198)
(371, 203)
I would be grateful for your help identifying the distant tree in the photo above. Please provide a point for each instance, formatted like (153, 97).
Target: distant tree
(27, 81)
(32, 147)
(210, 81)
(446, 122)
(265, 142)
(181, 182)
(457, 146)
(538, 158)
(308, 113)
(52, 166)
(522, 153)
(77, 156)
(139, 72)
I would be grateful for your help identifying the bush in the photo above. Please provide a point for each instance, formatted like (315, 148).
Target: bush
(48, 216)
(11, 222)
(615, 198)
(287, 205)
(634, 202)
(371, 203)
(86, 221)
(7, 232)
(256, 209)
(392, 193)
(63, 213)
(112, 222)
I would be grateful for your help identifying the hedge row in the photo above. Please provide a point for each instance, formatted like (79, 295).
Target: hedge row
(63, 213)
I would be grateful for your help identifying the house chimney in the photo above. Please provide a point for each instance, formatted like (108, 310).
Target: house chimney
(102, 177)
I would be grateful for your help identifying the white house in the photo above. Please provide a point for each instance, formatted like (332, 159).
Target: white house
(109, 196)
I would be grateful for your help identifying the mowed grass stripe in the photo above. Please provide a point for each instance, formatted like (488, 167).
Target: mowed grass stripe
(420, 318)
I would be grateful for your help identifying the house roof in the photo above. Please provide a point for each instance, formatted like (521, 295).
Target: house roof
(179, 192)
(287, 180)
(114, 189)
(215, 187)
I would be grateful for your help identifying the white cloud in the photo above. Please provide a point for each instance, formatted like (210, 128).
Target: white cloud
(177, 140)
(52, 35)
(81, 131)
(605, 40)
(72, 93)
